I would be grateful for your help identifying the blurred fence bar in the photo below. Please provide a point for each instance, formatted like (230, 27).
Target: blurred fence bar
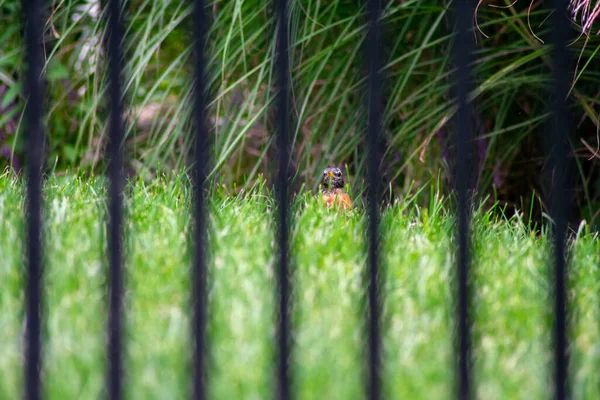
(282, 188)
(200, 159)
(558, 176)
(463, 48)
(374, 65)
(33, 295)
(115, 191)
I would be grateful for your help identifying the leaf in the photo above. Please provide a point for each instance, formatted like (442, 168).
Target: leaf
(10, 95)
(70, 152)
(9, 60)
(8, 32)
(8, 115)
(56, 71)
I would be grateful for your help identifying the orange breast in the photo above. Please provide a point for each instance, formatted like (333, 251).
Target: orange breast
(337, 198)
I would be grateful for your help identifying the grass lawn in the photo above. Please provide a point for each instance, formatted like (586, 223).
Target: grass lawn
(511, 306)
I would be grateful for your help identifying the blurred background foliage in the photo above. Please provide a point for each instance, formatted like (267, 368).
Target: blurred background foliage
(510, 96)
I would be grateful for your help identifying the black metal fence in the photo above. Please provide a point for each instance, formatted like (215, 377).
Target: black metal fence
(558, 132)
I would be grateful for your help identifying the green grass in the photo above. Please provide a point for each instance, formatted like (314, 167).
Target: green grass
(511, 305)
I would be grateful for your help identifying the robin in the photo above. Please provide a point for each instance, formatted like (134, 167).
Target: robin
(333, 184)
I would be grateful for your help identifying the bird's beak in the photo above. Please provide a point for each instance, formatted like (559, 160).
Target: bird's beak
(330, 174)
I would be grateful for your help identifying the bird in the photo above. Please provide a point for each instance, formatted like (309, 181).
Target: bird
(333, 193)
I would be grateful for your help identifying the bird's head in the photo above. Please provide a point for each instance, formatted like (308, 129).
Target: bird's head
(332, 179)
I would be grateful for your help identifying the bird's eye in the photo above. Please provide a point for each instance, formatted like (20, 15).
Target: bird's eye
(338, 173)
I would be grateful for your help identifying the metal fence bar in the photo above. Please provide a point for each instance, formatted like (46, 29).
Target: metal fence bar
(115, 191)
(558, 166)
(199, 270)
(373, 53)
(463, 49)
(282, 185)
(33, 294)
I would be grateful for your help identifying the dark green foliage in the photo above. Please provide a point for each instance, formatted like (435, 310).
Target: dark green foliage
(509, 99)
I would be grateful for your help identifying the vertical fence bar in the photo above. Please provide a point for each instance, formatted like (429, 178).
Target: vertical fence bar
(373, 53)
(463, 48)
(199, 270)
(33, 294)
(559, 134)
(282, 186)
(115, 191)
